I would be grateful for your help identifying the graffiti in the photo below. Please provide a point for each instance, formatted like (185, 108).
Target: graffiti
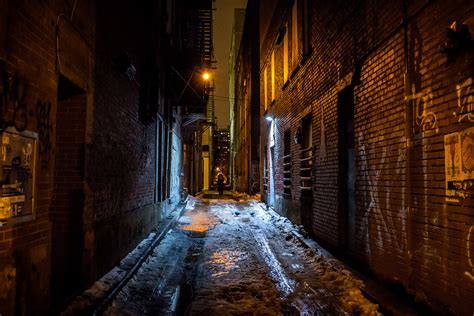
(465, 109)
(13, 94)
(45, 128)
(470, 274)
(423, 118)
(459, 165)
(374, 219)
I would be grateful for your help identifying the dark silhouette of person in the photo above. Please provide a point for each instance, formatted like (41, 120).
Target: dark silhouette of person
(220, 184)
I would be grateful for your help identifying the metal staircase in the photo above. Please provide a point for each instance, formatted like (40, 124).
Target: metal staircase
(204, 29)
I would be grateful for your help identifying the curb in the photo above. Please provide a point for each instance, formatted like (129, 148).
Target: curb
(113, 293)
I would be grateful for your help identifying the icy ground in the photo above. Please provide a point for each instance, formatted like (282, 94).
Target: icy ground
(235, 258)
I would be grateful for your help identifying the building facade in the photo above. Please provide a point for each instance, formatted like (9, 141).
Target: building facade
(237, 28)
(367, 125)
(91, 124)
(246, 112)
(197, 98)
(221, 153)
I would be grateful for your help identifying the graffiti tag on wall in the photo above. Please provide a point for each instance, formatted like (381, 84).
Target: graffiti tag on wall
(45, 128)
(375, 219)
(470, 274)
(459, 165)
(465, 108)
(424, 119)
(13, 94)
(14, 110)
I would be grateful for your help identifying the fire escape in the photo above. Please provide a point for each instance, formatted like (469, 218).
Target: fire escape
(199, 118)
(207, 54)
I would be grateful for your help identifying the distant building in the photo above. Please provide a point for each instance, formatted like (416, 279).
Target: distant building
(221, 151)
(239, 18)
(246, 111)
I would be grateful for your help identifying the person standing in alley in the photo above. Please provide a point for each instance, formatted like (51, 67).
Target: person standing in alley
(220, 183)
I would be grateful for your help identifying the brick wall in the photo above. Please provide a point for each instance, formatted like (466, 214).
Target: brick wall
(247, 109)
(121, 156)
(68, 198)
(96, 172)
(28, 52)
(406, 207)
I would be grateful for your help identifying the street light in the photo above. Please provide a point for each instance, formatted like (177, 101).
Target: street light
(205, 75)
(269, 118)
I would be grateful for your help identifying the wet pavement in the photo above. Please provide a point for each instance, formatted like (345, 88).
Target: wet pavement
(227, 257)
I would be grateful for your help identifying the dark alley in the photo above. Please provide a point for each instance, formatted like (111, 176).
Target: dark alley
(229, 257)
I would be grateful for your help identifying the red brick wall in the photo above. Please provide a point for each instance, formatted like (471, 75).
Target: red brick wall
(118, 149)
(27, 47)
(430, 247)
(68, 198)
(120, 158)
(124, 186)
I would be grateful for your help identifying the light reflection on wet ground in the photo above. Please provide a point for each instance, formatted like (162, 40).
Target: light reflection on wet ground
(235, 262)
(226, 261)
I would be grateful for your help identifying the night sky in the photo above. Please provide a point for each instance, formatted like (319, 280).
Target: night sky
(223, 20)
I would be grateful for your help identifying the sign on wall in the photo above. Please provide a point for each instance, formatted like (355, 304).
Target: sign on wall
(459, 165)
(17, 165)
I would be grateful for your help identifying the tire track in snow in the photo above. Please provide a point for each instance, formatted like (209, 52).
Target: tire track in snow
(285, 285)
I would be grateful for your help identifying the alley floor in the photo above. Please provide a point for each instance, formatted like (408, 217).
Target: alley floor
(228, 257)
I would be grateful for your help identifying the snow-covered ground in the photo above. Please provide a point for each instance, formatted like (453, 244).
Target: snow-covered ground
(228, 257)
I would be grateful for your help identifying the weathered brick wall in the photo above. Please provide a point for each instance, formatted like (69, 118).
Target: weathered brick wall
(68, 198)
(27, 49)
(120, 165)
(99, 147)
(404, 210)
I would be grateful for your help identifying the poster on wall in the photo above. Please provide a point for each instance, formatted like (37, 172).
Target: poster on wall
(459, 165)
(17, 165)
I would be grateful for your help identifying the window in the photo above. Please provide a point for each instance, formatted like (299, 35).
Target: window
(287, 164)
(306, 160)
(265, 169)
(294, 35)
(265, 85)
(285, 54)
(273, 75)
(272, 133)
(306, 27)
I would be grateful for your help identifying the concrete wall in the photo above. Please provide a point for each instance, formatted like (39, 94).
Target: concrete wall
(412, 107)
